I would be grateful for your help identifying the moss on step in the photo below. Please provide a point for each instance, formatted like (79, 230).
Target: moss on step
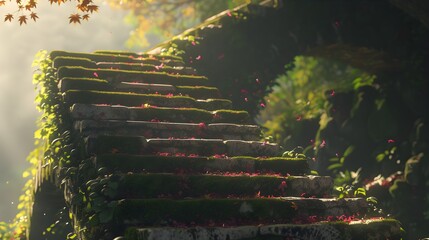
(156, 164)
(224, 115)
(135, 67)
(171, 114)
(126, 99)
(214, 104)
(117, 76)
(73, 61)
(191, 115)
(278, 164)
(84, 84)
(107, 57)
(199, 91)
(216, 186)
(127, 53)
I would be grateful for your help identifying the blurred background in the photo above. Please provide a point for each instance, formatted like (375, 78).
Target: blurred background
(359, 111)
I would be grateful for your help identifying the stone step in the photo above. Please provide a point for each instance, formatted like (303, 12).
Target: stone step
(127, 58)
(116, 76)
(149, 64)
(233, 211)
(377, 229)
(197, 165)
(201, 147)
(147, 67)
(137, 55)
(138, 100)
(160, 114)
(165, 185)
(226, 131)
(198, 92)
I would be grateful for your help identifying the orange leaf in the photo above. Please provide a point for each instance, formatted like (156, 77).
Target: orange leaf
(52, 1)
(86, 2)
(2, 2)
(82, 7)
(74, 18)
(34, 16)
(8, 17)
(22, 19)
(85, 17)
(93, 8)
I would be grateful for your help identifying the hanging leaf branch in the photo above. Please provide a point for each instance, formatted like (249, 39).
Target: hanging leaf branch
(26, 10)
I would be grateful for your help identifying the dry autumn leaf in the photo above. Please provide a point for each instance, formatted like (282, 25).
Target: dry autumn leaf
(34, 16)
(92, 8)
(22, 19)
(8, 17)
(2, 2)
(85, 17)
(75, 18)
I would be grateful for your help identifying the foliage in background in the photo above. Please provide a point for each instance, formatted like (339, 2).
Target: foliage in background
(366, 132)
(300, 95)
(158, 20)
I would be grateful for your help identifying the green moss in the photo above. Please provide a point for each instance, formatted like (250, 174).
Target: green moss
(137, 67)
(145, 55)
(135, 163)
(202, 211)
(84, 84)
(127, 99)
(231, 116)
(116, 76)
(73, 61)
(293, 166)
(215, 104)
(154, 164)
(201, 92)
(155, 185)
(99, 57)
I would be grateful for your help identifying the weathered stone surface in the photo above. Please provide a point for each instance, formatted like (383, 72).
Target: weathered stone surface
(355, 230)
(117, 162)
(208, 233)
(116, 76)
(107, 57)
(162, 88)
(185, 147)
(152, 212)
(217, 185)
(168, 130)
(252, 148)
(183, 115)
(99, 112)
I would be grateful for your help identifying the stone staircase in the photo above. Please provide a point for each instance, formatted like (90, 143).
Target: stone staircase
(164, 156)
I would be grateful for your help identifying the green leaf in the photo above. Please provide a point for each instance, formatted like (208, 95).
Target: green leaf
(380, 157)
(335, 166)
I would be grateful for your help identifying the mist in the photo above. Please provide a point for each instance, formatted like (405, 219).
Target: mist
(18, 46)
